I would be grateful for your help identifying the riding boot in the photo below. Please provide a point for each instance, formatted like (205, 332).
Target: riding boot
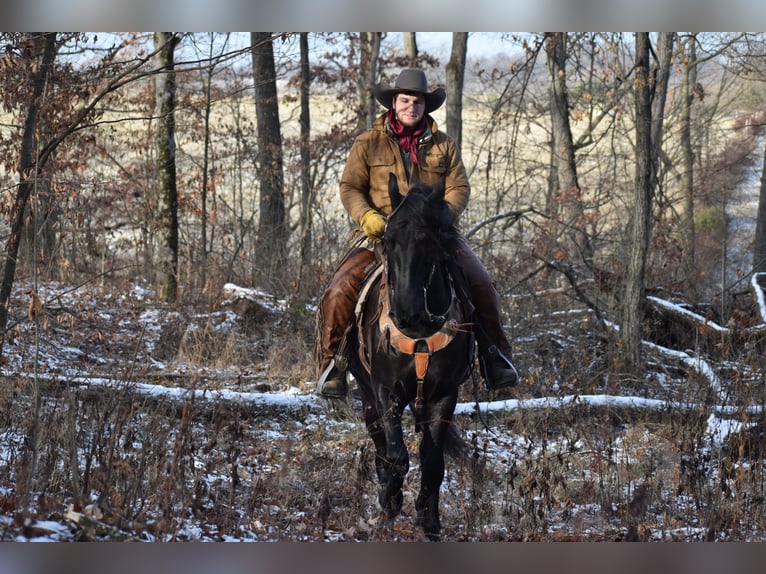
(495, 360)
(495, 354)
(334, 315)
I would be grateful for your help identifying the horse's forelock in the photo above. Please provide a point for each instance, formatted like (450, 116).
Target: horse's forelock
(424, 221)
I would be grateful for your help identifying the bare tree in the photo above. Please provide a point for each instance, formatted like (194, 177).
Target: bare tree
(29, 62)
(661, 74)
(206, 164)
(167, 191)
(410, 46)
(640, 223)
(368, 74)
(272, 225)
(688, 83)
(565, 195)
(455, 77)
(305, 153)
(42, 53)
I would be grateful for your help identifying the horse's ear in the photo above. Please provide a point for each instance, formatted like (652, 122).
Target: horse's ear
(393, 191)
(437, 193)
(436, 197)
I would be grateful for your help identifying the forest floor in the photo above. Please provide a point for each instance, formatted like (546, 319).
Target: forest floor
(123, 419)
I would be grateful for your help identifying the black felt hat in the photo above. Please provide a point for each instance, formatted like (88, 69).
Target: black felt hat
(410, 80)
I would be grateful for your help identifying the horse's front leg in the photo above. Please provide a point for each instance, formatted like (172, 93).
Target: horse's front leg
(431, 451)
(392, 464)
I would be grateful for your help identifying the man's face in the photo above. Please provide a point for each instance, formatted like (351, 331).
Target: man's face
(409, 109)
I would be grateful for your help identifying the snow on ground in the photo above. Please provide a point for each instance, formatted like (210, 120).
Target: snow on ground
(107, 329)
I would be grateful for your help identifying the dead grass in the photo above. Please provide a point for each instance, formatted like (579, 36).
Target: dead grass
(109, 466)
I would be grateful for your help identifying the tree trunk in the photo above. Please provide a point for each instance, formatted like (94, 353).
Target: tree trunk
(640, 224)
(759, 246)
(167, 192)
(305, 142)
(661, 73)
(203, 249)
(410, 46)
(455, 77)
(39, 240)
(688, 257)
(662, 76)
(566, 196)
(368, 74)
(28, 171)
(272, 228)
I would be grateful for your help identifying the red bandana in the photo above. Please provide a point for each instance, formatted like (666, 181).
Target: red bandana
(408, 139)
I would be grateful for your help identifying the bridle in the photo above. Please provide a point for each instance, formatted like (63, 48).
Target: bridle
(440, 319)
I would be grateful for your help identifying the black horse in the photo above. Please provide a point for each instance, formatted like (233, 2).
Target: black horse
(413, 346)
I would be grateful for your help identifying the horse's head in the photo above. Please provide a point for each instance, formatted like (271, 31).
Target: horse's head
(431, 205)
(420, 237)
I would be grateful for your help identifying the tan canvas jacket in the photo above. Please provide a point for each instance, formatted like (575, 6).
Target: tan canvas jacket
(375, 153)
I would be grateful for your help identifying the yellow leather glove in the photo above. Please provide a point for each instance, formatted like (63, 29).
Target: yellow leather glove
(373, 224)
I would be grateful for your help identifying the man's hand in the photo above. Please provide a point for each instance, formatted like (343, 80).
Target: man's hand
(373, 224)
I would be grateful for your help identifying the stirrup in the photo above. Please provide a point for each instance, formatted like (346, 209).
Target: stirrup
(497, 369)
(333, 384)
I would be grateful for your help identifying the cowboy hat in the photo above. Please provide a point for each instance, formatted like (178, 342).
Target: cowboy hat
(410, 80)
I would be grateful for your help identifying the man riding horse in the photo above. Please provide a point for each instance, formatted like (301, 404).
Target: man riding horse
(405, 141)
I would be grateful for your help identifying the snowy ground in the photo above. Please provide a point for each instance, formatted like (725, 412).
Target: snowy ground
(562, 466)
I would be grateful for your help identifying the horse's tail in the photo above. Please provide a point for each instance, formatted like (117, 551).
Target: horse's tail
(454, 446)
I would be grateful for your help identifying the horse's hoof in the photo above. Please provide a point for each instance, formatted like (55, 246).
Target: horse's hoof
(391, 515)
(385, 519)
